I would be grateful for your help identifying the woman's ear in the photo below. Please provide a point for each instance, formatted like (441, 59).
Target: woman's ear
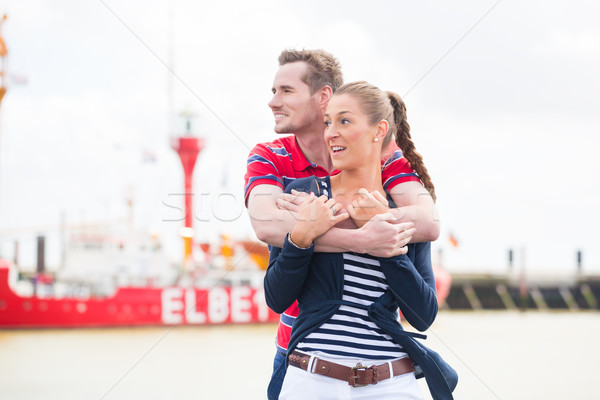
(382, 129)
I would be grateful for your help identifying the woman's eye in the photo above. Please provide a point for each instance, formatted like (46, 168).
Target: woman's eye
(345, 121)
(327, 123)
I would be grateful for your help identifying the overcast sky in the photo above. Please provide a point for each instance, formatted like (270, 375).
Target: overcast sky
(502, 99)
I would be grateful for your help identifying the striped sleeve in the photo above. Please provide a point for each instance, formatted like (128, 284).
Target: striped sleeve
(397, 170)
(262, 167)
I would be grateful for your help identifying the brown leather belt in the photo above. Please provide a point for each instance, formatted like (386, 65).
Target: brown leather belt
(355, 376)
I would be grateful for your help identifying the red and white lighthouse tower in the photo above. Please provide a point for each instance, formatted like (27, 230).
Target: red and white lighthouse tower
(188, 147)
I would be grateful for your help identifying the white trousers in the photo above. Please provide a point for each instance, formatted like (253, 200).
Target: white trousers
(301, 384)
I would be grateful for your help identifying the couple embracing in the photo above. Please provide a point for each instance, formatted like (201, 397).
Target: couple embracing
(347, 205)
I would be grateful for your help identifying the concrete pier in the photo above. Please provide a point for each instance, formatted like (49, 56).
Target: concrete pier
(510, 292)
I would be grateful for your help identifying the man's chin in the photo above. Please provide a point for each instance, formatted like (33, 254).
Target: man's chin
(283, 129)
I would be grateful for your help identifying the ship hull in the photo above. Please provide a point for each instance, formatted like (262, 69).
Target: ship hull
(135, 306)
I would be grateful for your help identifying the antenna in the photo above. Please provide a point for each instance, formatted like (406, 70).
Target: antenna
(170, 63)
(3, 53)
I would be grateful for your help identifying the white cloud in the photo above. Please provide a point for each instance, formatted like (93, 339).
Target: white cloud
(584, 44)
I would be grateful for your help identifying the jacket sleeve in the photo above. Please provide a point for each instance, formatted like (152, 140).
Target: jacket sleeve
(284, 279)
(413, 285)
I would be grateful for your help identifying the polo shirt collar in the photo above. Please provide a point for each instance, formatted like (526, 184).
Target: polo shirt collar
(299, 160)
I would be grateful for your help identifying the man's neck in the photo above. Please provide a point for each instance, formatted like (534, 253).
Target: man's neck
(312, 144)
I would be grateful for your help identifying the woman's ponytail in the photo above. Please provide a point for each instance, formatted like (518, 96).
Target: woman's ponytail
(404, 141)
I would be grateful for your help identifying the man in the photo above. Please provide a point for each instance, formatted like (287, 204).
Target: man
(301, 90)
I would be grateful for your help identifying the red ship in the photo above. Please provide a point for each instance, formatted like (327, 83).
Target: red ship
(134, 306)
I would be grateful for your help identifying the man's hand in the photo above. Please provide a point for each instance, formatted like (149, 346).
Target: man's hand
(385, 238)
(365, 208)
(316, 215)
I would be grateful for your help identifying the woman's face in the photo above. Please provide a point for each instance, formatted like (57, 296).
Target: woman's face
(348, 133)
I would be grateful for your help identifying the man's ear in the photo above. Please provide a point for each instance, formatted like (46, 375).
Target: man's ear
(325, 95)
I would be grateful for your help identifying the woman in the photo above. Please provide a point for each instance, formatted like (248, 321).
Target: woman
(347, 335)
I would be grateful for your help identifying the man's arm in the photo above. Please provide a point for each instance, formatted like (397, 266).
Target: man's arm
(377, 237)
(412, 199)
(416, 205)
(270, 223)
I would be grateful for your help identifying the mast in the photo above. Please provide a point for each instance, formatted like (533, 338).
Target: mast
(3, 53)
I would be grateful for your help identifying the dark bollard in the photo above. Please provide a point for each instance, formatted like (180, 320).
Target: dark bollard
(16, 254)
(41, 254)
(523, 293)
(41, 262)
(579, 261)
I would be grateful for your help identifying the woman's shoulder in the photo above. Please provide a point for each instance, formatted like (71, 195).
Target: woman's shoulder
(419, 246)
(309, 184)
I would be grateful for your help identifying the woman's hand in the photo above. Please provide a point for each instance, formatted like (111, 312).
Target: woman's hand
(367, 206)
(316, 215)
(291, 201)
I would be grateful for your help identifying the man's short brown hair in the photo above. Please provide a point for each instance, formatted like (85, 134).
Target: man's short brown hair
(323, 68)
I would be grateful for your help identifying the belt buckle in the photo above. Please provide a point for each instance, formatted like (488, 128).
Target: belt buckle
(352, 378)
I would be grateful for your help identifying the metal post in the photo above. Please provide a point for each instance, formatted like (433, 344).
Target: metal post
(63, 240)
(41, 266)
(16, 254)
(523, 286)
(41, 254)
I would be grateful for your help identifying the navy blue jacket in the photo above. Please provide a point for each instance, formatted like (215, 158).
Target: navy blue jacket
(316, 280)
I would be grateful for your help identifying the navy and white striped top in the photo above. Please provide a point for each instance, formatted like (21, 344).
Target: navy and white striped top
(350, 333)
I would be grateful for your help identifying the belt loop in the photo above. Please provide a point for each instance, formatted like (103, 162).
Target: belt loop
(309, 367)
(391, 369)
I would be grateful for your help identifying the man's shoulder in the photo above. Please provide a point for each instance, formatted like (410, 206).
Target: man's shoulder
(396, 157)
(286, 142)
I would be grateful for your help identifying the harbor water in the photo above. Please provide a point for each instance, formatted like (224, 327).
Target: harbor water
(499, 355)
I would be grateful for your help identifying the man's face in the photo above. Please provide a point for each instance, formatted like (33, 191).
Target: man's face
(294, 108)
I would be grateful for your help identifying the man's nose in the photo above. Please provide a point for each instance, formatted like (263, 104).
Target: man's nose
(275, 101)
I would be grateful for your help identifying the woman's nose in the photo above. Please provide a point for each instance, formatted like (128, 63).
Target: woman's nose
(330, 132)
